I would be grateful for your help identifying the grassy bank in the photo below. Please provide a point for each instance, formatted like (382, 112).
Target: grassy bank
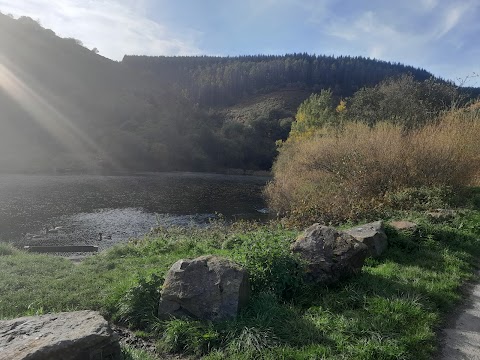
(390, 311)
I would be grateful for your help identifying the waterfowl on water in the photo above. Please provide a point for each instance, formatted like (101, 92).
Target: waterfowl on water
(32, 236)
(263, 211)
(53, 230)
(101, 237)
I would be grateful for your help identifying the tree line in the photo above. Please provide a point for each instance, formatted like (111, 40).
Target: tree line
(221, 81)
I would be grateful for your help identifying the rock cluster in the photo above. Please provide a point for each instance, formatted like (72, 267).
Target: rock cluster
(215, 288)
(329, 254)
(208, 288)
(373, 235)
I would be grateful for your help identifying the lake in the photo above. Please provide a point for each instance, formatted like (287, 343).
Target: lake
(120, 207)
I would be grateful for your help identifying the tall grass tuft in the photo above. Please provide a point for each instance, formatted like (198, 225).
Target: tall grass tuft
(7, 249)
(138, 306)
(354, 173)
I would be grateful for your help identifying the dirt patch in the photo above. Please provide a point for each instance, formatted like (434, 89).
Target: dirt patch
(128, 338)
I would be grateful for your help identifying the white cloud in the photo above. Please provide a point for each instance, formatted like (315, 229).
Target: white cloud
(423, 39)
(370, 34)
(114, 27)
(452, 18)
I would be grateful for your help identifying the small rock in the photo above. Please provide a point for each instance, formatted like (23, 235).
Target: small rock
(330, 255)
(207, 288)
(63, 336)
(373, 235)
(403, 225)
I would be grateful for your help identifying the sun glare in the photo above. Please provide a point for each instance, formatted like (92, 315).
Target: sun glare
(45, 114)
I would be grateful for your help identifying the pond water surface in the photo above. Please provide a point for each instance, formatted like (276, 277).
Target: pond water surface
(120, 207)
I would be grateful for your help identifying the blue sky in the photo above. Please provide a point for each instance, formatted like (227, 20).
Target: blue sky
(438, 35)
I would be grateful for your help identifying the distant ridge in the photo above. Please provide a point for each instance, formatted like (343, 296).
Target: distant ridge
(219, 81)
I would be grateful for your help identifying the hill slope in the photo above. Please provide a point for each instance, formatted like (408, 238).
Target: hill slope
(220, 81)
(66, 108)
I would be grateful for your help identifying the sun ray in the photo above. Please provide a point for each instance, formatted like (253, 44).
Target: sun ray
(53, 120)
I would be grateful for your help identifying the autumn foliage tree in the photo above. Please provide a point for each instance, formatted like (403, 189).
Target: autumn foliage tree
(315, 113)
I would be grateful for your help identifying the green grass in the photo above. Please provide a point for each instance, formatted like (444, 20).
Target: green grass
(135, 354)
(391, 310)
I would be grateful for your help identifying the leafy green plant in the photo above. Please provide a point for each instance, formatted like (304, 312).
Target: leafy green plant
(188, 336)
(35, 309)
(139, 305)
(271, 265)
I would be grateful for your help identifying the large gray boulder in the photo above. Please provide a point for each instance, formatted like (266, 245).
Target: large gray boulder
(75, 335)
(373, 235)
(329, 254)
(207, 288)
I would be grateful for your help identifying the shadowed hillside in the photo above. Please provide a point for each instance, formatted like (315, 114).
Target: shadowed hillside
(220, 81)
(65, 108)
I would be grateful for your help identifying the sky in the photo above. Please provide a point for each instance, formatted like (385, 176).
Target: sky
(440, 36)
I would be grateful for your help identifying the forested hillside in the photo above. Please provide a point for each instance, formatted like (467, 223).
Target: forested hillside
(65, 108)
(220, 81)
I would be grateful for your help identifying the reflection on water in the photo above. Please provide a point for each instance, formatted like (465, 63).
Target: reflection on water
(120, 207)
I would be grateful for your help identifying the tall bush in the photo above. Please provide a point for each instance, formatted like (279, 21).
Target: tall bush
(352, 174)
(404, 101)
